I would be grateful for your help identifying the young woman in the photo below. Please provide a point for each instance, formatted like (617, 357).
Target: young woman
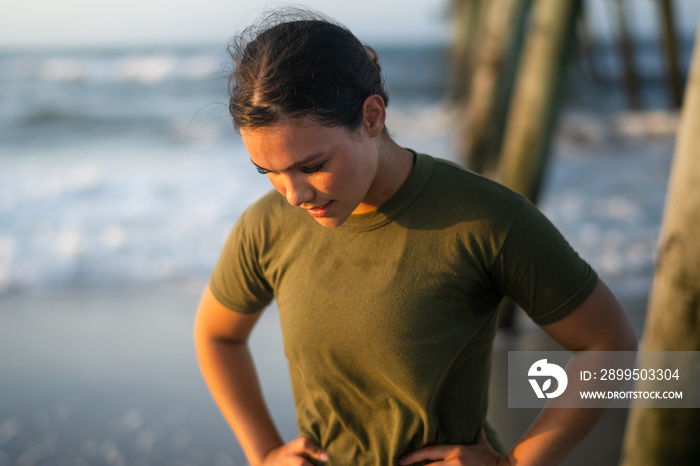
(387, 267)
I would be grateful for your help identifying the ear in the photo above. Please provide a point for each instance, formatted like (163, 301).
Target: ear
(373, 115)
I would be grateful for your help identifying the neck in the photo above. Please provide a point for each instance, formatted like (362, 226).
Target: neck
(394, 165)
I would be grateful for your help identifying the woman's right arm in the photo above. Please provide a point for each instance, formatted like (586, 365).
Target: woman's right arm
(221, 341)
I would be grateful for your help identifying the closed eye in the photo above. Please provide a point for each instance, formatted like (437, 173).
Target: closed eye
(311, 169)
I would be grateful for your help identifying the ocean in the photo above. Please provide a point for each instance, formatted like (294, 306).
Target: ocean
(120, 178)
(121, 166)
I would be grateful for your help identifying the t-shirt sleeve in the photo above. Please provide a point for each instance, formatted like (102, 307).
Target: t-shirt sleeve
(237, 280)
(539, 270)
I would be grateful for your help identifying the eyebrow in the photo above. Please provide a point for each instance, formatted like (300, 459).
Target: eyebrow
(305, 161)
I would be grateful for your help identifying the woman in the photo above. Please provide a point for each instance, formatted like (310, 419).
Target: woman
(387, 267)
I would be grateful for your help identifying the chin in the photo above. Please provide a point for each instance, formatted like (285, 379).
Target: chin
(331, 222)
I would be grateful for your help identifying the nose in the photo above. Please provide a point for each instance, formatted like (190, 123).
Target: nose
(298, 192)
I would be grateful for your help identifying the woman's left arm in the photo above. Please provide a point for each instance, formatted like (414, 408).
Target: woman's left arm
(598, 324)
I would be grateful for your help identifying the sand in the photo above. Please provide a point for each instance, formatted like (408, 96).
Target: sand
(109, 376)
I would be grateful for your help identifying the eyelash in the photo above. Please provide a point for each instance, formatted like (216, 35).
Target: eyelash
(264, 171)
(312, 169)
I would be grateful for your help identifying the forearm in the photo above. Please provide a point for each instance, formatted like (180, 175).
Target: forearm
(553, 435)
(598, 326)
(231, 377)
(563, 422)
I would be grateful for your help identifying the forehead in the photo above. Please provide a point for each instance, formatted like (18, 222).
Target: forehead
(285, 126)
(281, 128)
(281, 137)
(292, 140)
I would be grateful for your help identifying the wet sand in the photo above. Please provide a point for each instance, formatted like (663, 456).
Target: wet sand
(109, 376)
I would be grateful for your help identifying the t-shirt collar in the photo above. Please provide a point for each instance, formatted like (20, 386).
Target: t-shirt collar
(399, 202)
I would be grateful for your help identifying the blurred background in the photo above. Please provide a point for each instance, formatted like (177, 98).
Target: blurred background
(121, 176)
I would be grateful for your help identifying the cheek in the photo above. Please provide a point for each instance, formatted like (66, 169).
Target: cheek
(337, 183)
(278, 185)
(327, 183)
(347, 182)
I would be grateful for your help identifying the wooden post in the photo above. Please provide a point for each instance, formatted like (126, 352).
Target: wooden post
(535, 102)
(670, 46)
(586, 44)
(465, 17)
(656, 437)
(629, 70)
(491, 79)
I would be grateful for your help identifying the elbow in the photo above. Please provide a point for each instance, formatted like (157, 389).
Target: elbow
(622, 338)
(617, 335)
(625, 344)
(632, 341)
(626, 339)
(632, 344)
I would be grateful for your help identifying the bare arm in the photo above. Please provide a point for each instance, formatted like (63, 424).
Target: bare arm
(598, 324)
(221, 337)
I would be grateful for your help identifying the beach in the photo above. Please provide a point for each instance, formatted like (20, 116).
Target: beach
(120, 180)
(109, 376)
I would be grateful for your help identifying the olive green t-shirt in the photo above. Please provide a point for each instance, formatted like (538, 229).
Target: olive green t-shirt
(388, 320)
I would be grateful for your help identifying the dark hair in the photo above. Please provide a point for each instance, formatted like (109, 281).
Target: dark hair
(308, 66)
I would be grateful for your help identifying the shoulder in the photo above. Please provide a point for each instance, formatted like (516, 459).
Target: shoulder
(456, 193)
(458, 180)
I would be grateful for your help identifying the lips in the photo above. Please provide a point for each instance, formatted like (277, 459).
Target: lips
(320, 211)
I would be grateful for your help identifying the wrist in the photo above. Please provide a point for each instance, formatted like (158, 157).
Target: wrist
(505, 461)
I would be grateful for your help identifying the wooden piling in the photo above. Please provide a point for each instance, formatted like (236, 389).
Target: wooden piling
(586, 44)
(656, 437)
(630, 79)
(533, 111)
(670, 49)
(466, 19)
(491, 83)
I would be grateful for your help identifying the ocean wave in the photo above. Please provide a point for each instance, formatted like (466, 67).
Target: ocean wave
(105, 214)
(93, 190)
(139, 68)
(86, 121)
(50, 126)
